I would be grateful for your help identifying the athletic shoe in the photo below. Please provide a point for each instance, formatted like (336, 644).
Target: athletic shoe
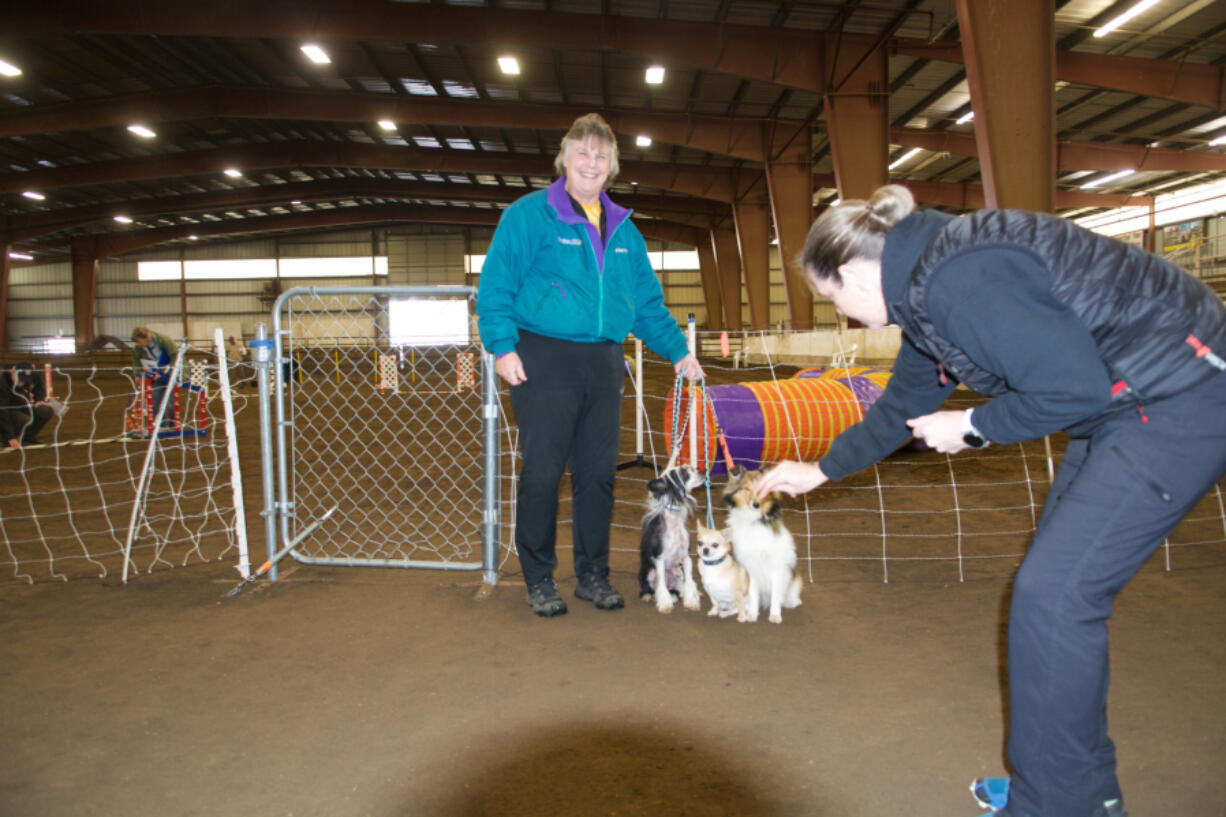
(596, 589)
(993, 793)
(545, 601)
(990, 792)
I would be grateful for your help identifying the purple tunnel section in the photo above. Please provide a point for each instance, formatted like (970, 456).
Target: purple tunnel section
(740, 416)
(865, 390)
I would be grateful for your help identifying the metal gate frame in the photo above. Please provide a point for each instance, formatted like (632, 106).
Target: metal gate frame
(281, 508)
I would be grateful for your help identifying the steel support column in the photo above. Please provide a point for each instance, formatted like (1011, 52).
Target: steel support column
(728, 262)
(84, 290)
(711, 294)
(790, 184)
(857, 118)
(1010, 52)
(753, 236)
(6, 268)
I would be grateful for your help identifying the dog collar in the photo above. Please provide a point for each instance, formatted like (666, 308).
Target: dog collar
(717, 561)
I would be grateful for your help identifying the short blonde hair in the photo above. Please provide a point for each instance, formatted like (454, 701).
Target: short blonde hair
(853, 229)
(590, 125)
(142, 333)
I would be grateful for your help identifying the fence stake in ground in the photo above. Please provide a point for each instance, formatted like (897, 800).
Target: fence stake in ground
(281, 554)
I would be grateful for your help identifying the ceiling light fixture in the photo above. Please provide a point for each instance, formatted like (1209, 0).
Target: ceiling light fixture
(142, 131)
(387, 124)
(9, 70)
(233, 172)
(906, 157)
(964, 118)
(1110, 178)
(1221, 140)
(193, 238)
(123, 219)
(1125, 17)
(642, 141)
(33, 194)
(316, 54)
(655, 75)
(509, 65)
(21, 256)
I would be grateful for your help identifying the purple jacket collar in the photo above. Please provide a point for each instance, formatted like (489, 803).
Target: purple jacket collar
(559, 199)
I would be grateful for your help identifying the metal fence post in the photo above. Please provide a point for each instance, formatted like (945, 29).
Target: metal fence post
(493, 499)
(260, 358)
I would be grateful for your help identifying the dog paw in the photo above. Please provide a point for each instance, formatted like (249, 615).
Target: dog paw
(646, 597)
(692, 604)
(742, 618)
(664, 608)
(776, 618)
(714, 611)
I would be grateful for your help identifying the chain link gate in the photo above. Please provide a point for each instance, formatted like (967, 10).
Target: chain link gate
(398, 432)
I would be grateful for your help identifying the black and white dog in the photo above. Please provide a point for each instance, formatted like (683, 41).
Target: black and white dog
(664, 552)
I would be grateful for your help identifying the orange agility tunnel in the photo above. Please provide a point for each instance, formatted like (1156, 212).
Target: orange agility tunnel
(793, 419)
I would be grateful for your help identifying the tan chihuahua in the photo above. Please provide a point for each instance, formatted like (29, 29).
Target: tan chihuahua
(723, 578)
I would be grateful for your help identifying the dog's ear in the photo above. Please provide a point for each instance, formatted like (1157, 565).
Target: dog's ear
(657, 487)
(726, 533)
(734, 481)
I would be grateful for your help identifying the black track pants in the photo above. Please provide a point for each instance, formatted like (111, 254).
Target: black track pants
(1115, 498)
(569, 414)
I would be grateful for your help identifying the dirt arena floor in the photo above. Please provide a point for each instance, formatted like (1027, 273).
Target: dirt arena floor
(344, 692)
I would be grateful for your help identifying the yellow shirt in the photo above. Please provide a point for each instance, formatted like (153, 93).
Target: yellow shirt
(593, 213)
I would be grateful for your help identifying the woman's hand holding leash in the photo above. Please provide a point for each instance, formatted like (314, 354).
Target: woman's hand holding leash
(689, 367)
(791, 478)
(510, 368)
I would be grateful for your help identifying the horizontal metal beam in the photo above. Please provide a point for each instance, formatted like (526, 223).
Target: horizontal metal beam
(689, 212)
(723, 135)
(793, 57)
(967, 197)
(114, 244)
(684, 210)
(731, 136)
(1178, 81)
(1075, 155)
(719, 184)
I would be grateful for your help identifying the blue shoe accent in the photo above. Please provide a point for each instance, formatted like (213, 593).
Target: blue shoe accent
(991, 792)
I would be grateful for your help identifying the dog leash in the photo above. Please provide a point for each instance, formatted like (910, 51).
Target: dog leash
(679, 426)
(706, 448)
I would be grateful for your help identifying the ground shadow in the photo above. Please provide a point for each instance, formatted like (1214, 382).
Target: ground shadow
(598, 769)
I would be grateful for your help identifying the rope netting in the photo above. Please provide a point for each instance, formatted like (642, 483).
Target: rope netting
(125, 478)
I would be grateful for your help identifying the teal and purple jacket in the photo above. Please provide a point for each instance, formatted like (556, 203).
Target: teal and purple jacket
(548, 271)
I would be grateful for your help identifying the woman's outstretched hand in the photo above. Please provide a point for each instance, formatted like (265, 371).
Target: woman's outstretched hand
(791, 478)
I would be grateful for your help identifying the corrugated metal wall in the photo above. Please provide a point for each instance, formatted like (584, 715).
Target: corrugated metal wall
(40, 301)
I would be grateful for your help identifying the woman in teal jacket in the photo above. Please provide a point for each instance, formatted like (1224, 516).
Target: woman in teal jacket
(565, 280)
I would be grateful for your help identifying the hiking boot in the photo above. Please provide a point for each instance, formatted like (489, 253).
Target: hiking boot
(545, 601)
(596, 589)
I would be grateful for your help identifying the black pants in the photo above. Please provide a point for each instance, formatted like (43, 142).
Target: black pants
(1116, 496)
(28, 421)
(569, 414)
